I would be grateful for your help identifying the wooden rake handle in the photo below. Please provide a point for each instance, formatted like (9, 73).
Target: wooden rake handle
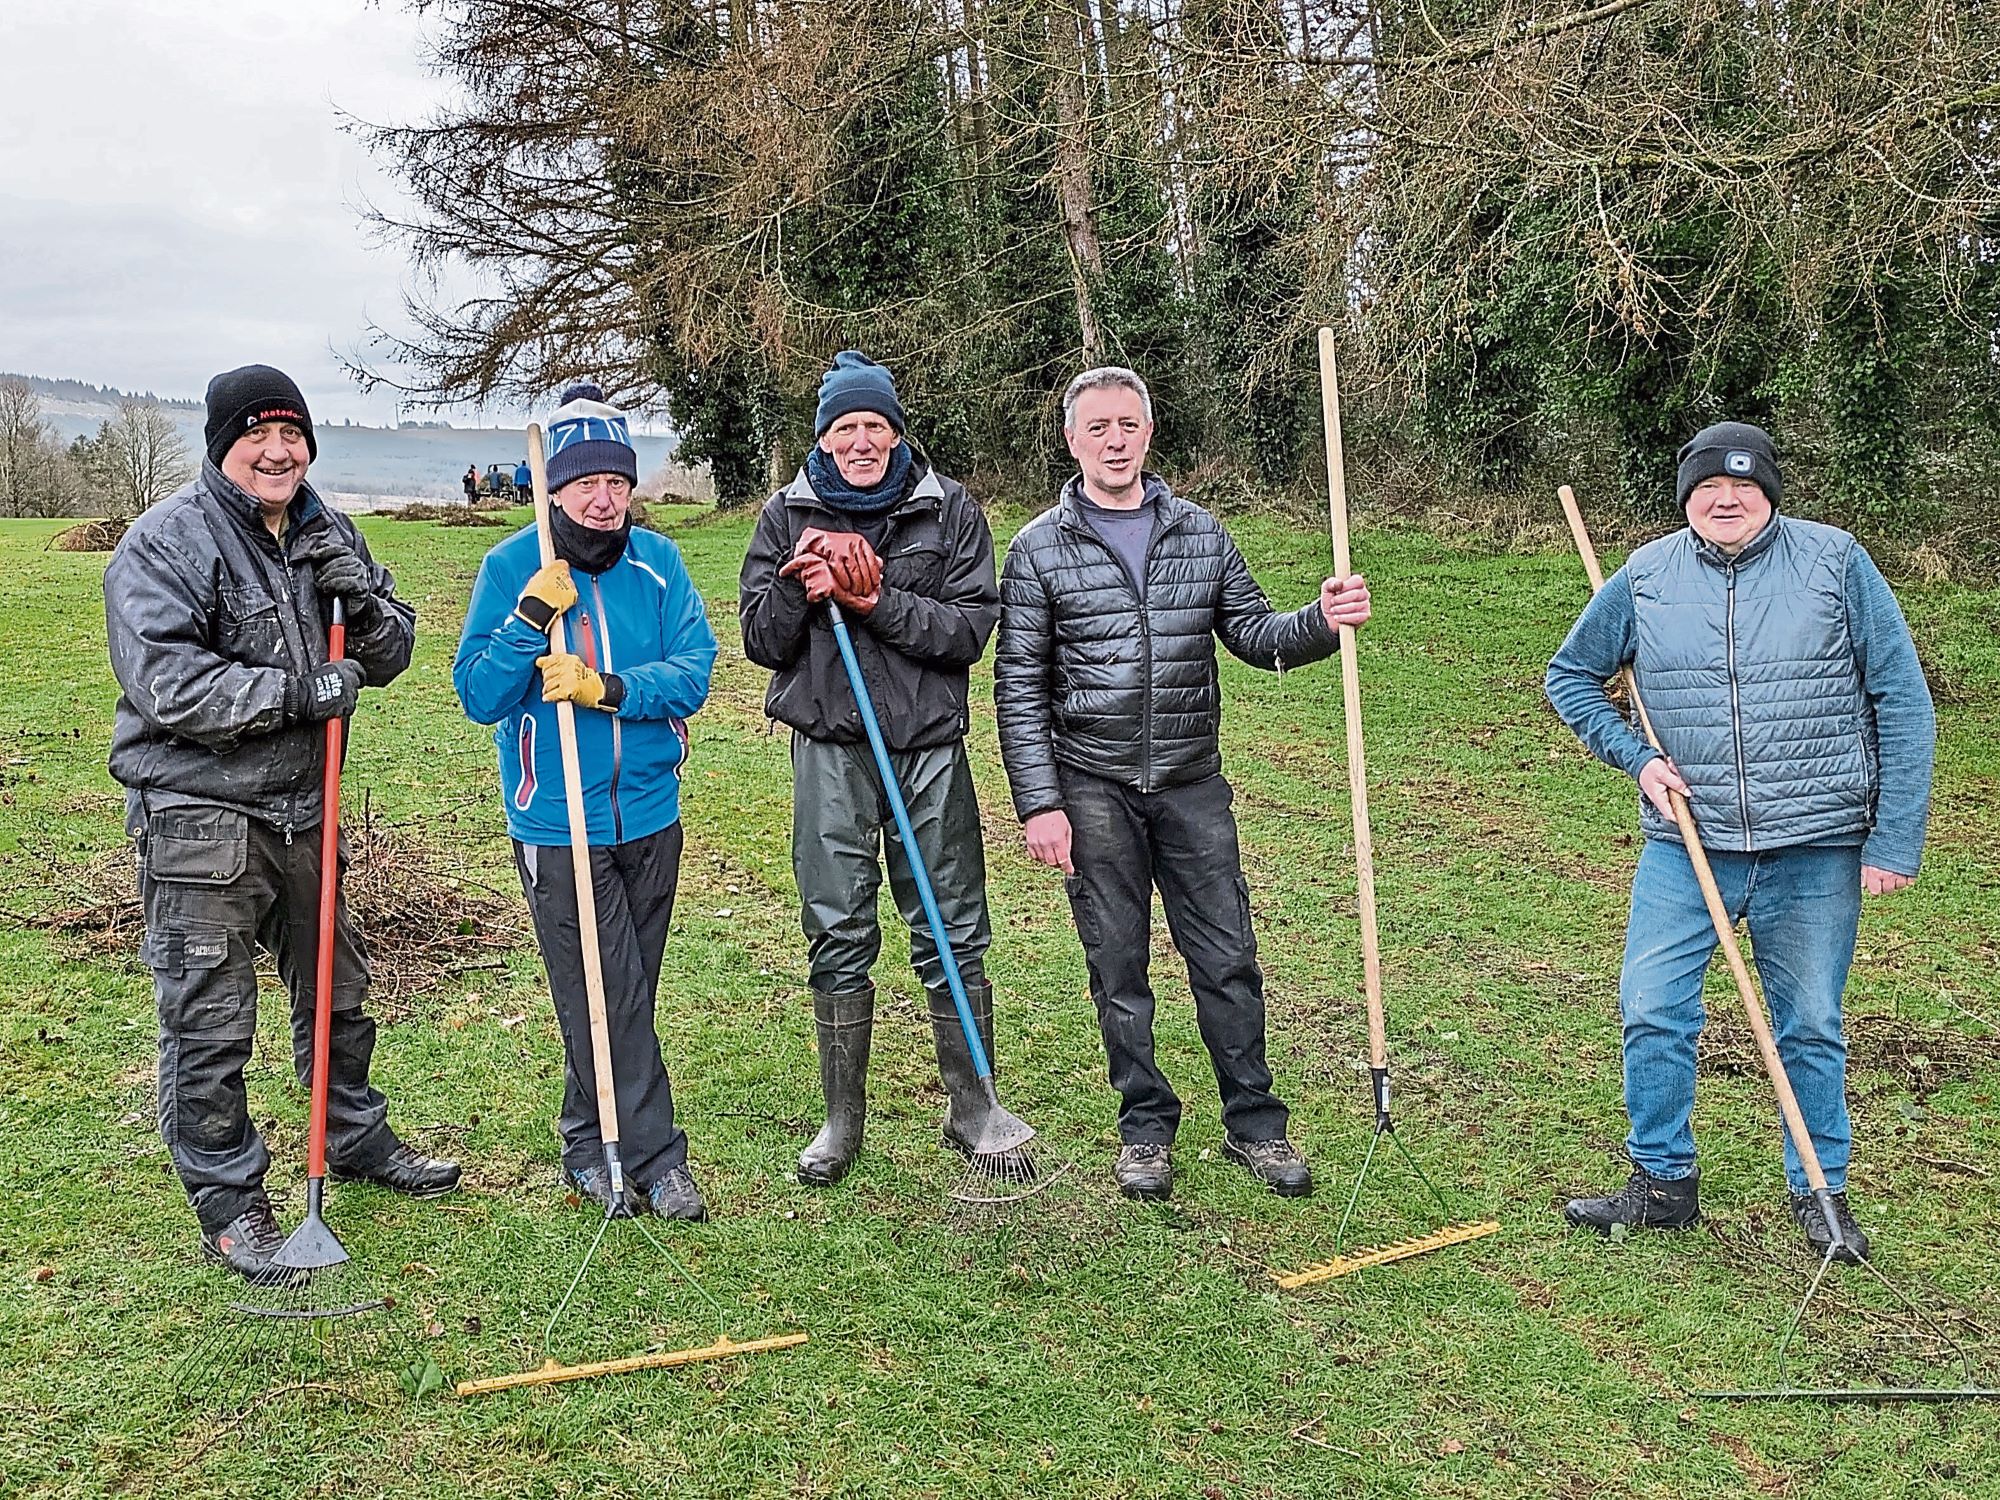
(1357, 758)
(579, 846)
(1725, 928)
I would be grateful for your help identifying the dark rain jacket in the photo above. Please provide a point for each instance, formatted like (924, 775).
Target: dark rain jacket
(938, 605)
(208, 619)
(1089, 675)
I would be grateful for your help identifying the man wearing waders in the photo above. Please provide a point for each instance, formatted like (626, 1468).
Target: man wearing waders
(1784, 684)
(1110, 716)
(217, 604)
(906, 554)
(641, 652)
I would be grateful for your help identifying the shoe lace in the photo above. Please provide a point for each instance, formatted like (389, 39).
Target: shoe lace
(1144, 1153)
(260, 1229)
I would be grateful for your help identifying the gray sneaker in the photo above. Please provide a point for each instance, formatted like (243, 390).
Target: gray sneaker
(1276, 1164)
(675, 1196)
(1144, 1171)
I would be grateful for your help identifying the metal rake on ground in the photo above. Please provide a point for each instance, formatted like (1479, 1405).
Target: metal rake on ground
(1451, 1233)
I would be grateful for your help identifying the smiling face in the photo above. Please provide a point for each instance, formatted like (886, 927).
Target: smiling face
(268, 463)
(599, 501)
(1108, 437)
(1728, 512)
(859, 445)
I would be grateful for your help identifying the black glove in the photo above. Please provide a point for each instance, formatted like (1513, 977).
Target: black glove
(328, 692)
(338, 573)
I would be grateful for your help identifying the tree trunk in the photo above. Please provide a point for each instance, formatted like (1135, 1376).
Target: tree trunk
(1070, 55)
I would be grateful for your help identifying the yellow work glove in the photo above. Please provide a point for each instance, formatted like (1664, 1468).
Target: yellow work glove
(547, 595)
(566, 677)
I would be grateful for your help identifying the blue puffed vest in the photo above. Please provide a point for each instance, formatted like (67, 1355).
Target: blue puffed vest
(1747, 668)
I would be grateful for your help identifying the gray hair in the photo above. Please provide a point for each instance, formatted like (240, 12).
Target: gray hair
(1104, 377)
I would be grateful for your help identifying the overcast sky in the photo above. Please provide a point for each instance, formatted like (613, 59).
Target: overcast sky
(177, 198)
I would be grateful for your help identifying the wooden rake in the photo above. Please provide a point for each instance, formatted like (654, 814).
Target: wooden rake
(1452, 1233)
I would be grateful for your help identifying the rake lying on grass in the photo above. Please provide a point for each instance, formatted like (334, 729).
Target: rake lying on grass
(1343, 1264)
(1788, 1104)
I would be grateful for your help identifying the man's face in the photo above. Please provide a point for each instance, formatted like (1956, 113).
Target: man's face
(859, 445)
(268, 463)
(1728, 511)
(1109, 437)
(599, 501)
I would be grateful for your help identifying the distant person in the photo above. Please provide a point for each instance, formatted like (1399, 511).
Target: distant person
(640, 656)
(524, 482)
(1786, 689)
(217, 603)
(471, 483)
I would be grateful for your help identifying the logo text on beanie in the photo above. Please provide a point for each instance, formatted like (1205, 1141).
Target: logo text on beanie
(261, 415)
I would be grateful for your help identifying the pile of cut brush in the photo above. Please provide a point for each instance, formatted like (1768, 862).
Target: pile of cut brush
(90, 536)
(443, 515)
(425, 917)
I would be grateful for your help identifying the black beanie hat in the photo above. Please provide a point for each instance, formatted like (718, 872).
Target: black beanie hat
(241, 399)
(1733, 448)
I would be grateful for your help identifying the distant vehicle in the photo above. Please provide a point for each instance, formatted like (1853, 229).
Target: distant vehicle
(499, 484)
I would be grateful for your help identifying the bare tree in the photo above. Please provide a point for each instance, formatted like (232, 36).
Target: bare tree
(36, 476)
(139, 458)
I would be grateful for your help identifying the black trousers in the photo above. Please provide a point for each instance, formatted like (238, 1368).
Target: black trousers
(634, 883)
(215, 884)
(1182, 840)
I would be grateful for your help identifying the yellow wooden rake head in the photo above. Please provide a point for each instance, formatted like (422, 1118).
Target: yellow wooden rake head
(1377, 1255)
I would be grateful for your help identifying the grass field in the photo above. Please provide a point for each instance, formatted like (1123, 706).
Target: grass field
(1084, 1346)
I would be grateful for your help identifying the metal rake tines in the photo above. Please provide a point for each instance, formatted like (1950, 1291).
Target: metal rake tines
(1342, 1265)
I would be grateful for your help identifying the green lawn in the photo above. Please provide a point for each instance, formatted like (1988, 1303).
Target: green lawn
(1083, 1346)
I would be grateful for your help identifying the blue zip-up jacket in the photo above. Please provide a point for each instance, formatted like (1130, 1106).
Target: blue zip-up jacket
(642, 619)
(1783, 681)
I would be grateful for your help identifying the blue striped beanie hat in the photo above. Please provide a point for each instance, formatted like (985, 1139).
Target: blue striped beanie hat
(589, 436)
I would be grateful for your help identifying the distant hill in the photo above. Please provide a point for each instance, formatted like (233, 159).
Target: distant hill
(420, 459)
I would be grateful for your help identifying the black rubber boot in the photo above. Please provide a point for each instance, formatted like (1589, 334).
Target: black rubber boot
(965, 1096)
(247, 1243)
(407, 1170)
(1854, 1246)
(1645, 1202)
(845, 1026)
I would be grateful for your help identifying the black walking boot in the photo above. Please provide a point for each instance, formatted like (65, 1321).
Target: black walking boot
(1276, 1163)
(845, 1025)
(247, 1243)
(1645, 1202)
(1144, 1171)
(407, 1170)
(1854, 1248)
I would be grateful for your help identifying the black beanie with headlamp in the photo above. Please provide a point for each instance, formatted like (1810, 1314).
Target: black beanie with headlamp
(1735, 450)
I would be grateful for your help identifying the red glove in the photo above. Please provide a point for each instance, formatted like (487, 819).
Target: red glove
(814, 573)
(856, 567)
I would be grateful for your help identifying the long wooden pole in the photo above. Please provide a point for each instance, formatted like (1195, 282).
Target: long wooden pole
(579, 848)
(1357, 759)
(1725, 927)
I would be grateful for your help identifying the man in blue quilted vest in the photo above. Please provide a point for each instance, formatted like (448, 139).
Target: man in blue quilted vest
(638, 665)
(1784, 684)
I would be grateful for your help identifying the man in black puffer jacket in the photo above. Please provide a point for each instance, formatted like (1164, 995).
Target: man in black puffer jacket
(1111, 603)
(216, 606)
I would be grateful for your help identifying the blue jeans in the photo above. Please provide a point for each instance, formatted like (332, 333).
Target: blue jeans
(1802, 906)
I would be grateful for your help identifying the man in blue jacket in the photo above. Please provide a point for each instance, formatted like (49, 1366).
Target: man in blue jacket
(1784, 684)
(641, 652)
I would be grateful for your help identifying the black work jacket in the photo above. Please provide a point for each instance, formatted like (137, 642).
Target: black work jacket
(208, 617)
(938, 604)
(1090, 675)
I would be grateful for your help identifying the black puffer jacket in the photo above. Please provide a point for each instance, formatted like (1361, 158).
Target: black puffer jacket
(209, 619)
(1086, 676)
(938, 605)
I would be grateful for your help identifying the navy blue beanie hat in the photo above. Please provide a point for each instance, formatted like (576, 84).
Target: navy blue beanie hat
(247, 397)
(856, 383)
(588, 436)
(1733, 448)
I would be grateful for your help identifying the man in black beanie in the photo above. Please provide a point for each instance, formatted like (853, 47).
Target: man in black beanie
(217, 603)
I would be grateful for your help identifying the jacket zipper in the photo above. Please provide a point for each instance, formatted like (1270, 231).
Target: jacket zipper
(1736, 706)
(1160, 529)
(617, 738)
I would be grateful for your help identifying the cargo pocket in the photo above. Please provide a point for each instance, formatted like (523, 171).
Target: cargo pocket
(1081, 909)
(198, 994)
(197, 845)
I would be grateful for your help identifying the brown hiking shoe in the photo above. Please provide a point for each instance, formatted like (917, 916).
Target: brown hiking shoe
(1144, 1171)
(1277, 1164)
